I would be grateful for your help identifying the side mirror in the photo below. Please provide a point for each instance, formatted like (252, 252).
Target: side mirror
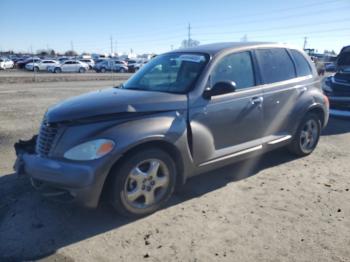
(220, 88)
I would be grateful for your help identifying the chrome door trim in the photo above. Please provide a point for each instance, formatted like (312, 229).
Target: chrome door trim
(242, 152)
(279, 140)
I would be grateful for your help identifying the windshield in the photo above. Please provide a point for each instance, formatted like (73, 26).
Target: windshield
(173, 73)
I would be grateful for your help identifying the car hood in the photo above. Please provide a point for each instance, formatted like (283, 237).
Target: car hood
(112, 101)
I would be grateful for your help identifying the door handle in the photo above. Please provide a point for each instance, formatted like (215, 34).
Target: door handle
(303, 90)
(257, 100)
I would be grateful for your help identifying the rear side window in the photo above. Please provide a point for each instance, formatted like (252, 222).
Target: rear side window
(235, 67)
(301, 64)
(275, 65)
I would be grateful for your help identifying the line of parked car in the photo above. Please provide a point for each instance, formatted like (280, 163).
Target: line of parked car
(72, 64)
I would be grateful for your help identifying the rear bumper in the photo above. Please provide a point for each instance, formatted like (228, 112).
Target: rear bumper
(61, 180)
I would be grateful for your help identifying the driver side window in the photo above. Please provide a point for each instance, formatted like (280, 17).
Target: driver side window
(235, 67)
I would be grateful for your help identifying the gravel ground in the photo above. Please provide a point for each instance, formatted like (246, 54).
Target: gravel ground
(273, 208)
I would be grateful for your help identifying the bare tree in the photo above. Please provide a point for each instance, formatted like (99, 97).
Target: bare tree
(70, 53)
(189, 43)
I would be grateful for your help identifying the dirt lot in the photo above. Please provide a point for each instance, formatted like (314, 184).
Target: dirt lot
(23, 76)
(276, 208)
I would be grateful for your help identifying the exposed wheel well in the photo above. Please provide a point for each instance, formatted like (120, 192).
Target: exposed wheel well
(167, 147)
(319, 112)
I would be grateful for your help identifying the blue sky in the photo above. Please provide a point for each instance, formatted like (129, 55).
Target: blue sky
(158, 25)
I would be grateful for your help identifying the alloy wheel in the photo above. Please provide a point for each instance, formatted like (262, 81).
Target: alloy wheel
(309, 135)
(147, 183)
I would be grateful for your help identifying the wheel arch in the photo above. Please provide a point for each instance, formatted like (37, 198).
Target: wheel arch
(319, 111)
(158, 143)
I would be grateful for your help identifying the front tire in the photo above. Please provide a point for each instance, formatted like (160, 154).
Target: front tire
(57, 70)
(307, 136)
(143, 183)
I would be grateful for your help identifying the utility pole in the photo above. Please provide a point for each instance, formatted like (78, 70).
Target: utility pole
(31, 51)
(116, 46)
(189, 35)
(111, 45)
(305, 42)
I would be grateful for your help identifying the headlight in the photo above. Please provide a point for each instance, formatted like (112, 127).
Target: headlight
(90, 150)
(327, 85)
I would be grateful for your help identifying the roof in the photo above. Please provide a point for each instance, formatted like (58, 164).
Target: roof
(215, 48)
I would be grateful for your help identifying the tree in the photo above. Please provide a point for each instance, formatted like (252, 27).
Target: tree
(46, 52)
(71, 53)
(42, 52)
(189, 43)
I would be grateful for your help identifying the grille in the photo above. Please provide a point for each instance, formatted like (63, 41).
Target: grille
(46, 138)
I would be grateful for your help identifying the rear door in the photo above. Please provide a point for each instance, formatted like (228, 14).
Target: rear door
(227, 125)
(67, 66)
(281, 90)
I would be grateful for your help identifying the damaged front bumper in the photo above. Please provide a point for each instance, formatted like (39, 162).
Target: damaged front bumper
(67, 181)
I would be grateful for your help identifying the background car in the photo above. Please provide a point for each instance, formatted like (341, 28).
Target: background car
(134, 65)
(6, 63)
(337, 87)
(62, 59)
(111, 65)
(330, 67)
(88, 61)
(41, 66)
(69, 66)
(22, 63)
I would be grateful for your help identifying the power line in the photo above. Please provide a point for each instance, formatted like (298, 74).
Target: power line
(284, 17)
(278, 11)
(274, 28)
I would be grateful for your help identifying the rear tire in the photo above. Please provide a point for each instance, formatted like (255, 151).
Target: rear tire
(142, 183)
(103, 70)
(307, 136)
(57, 70)
(82, 70)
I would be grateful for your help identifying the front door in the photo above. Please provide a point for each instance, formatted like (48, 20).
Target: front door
(225, 125)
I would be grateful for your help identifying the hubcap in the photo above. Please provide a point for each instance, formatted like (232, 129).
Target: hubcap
(146, 183)
(309, 135)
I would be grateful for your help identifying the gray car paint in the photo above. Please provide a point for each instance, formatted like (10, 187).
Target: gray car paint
(203, 133)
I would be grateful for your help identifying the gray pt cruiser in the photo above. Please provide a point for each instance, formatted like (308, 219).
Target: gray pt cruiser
(184, 113)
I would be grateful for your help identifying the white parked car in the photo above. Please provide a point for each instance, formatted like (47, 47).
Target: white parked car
(134, 65)
(41, 66)
(6, 63)
(69, 66)
(88, 61)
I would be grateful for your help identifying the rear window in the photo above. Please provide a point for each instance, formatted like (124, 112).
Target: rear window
(301, 64)
(275, 65)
